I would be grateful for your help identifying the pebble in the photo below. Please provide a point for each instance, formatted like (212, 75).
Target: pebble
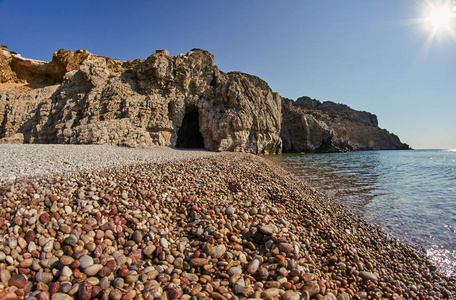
(263, 273)
(230, 210)
(5, 277)
(18, 281)
(269, 229)
(66, 260)
(129, 295)
(285, 247)
(137, 236)
(93, 269)
(45, 277)
(26, 263)
(85, 261)
(44, 295)
(271, 293)
(48, 246)
(65, 287)
(312, 287)
(120, 258)
(143, 277)
(85, 291)
(159, 231)
(164, 243)
(44, 218)
(29, 237)
(239, 286)
(253, 266)
(234, 270)
(115, 295)
(190, 276)
(54, 288)
(74, 289)
(198, 262)
(178, 263)
(118, 283)
(149, 250)
(61, 296)
(290, 295)
(174, 291)
(343, 296)
(104, 283)
(66, 271)
(368, 276)
(219, 251)
(155, 291)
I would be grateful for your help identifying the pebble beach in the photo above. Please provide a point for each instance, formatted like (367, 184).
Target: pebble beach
(85, 222)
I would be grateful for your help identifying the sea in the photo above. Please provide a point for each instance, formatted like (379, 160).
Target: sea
(411, 194)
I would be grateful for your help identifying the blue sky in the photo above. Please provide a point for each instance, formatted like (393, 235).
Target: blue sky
(370, 55)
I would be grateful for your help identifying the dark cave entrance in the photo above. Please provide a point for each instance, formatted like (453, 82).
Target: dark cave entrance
(189, 135)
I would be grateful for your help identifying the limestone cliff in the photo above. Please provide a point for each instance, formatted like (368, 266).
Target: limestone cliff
(301, 132)
(309, 125)
(185, 100)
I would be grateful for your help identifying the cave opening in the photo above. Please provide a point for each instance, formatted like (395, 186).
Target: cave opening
(189, 135)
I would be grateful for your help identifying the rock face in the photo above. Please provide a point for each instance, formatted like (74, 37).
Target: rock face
(16, 69)
(309, 125)
(186, 101)
(183, 101)
(301, 132)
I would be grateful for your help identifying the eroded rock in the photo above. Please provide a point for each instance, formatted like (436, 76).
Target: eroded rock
(163, 100)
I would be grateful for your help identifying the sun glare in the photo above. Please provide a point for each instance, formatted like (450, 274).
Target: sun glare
(438, 21)
(441, 17)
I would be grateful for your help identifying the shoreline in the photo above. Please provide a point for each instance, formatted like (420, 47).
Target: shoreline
(339, 181)
(230, 226)
(331, 197)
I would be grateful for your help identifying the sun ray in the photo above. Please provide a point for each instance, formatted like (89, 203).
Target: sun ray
(437, 21)
(428, 43)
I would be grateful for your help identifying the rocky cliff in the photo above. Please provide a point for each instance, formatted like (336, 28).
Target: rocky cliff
(309, 125)
(163, 100)
(178, 101)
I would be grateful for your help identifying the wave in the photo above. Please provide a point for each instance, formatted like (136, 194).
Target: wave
(444, 259)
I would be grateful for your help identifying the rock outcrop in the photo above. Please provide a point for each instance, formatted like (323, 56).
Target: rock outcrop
(183, 101)
(16, 69)
(301, 132)
(309, 125)
(83, 98)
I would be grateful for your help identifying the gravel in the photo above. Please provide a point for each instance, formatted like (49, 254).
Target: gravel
(35, 160)
(222, 227)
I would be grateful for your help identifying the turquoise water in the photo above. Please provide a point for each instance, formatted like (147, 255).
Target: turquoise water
(410, 194)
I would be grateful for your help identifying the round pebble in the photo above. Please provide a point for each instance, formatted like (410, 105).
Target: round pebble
(223, 227)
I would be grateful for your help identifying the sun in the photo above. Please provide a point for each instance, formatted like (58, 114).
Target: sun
(437, 21)
(441, 17)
